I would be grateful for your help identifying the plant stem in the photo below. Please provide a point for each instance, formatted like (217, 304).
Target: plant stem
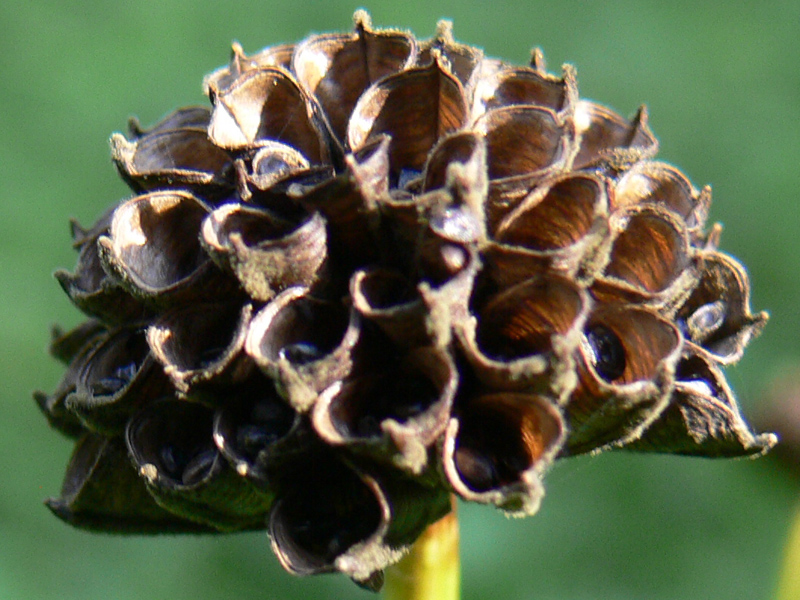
(432, 569)
(789, 584)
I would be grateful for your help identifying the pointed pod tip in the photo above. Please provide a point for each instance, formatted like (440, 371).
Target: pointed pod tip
(362, 20)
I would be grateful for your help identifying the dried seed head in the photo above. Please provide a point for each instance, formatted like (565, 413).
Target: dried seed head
(376, 272)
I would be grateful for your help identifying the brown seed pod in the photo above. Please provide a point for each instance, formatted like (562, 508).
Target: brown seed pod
(499, 446)
(303, 343)
(266, 253)
(172, 447)
(153, 250)
(395, 412)
(377, 272)
(200, 346)
(627, 363)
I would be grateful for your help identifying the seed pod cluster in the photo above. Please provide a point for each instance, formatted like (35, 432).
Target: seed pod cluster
(376, 272)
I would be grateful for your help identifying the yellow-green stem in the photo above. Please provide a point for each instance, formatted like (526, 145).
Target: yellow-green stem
(432, 570)
(789, 585)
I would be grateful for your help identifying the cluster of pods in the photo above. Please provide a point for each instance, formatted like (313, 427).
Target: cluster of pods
(376, 273)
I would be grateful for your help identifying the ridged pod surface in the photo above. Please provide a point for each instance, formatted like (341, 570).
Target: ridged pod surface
(378, 271)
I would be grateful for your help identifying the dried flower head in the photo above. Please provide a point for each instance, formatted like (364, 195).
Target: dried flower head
(379, 271)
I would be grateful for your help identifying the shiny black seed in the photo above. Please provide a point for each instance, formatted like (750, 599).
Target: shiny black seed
(301, 353)
(607, 352)
(197, 468)
(477, 470)
(118, 379)
(251, 439)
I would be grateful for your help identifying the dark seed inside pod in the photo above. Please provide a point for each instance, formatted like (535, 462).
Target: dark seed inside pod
(268, 421)
(606, 352)
(187, 466)
(400, 398)
(175, 437)
(694, 373)
(118, 379)
(198, 467)
(301, 353)
(333, 514)
(477, 470)
(484, 470)
(304, 330)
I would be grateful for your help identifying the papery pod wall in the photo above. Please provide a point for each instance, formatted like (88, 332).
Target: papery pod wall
(378, 271)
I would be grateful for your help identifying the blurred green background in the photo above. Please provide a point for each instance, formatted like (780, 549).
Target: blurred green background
(723, 87)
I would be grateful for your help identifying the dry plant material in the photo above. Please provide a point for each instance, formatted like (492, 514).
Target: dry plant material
(378, 271)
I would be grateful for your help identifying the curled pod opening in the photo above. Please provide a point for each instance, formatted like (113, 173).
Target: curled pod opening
(173, 157)
(72, 348)
(336, 517)
(416, 107)
(606, 138)
(252, 428)
(463, 147)
(66, 346)
(117, 378)
(224, 77)
(501, 85)
(394, 414)
(498, 447)
(275, 163)
(201, 345)
(524, 142)
(188, 117)
(266, 253)
(525, 335)
(89, 287)
(717, 315)
(658, 183)
(102, 492)
(703, 417)
(417, 306)
(650, 257)
(172, 446)
(623, 345)
(153, 249)
(337, 68)
(321, 516)
(627, 364)
(390, 300)
(268, 104)
(560, 225)
(304, 343)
